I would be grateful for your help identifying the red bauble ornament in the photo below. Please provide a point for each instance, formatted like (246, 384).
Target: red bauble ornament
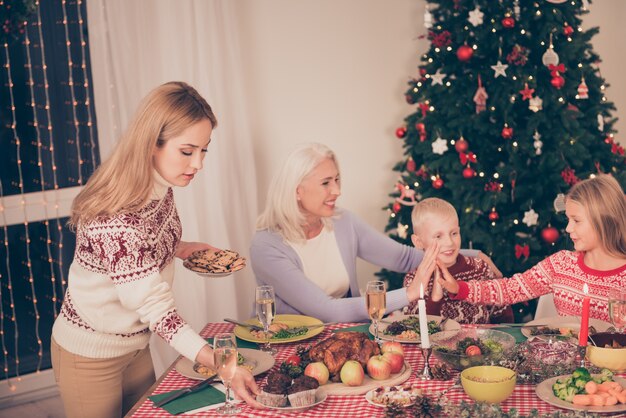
(507, 133)
(508, 22)
(409, 99)
(396, 207)
(468, 172)
(464, 53)
(437, 183)
(401, 132)
(423, 71)
(411, 166)
(568, 30)
(557, 82)
(461, 145)
(493, 215)
(550, 234)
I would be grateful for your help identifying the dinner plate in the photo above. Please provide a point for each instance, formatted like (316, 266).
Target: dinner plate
(320, 397)
(544, 392)
(449, 327)
(292, 321)
(368, 383)
(400, 392)
(258, 361)
(205, 268)
(572, 322)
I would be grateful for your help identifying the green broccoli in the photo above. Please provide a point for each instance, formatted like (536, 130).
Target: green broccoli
(581, 372)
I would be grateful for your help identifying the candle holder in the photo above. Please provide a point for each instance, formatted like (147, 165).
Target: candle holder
(581, 353)
(426, 373)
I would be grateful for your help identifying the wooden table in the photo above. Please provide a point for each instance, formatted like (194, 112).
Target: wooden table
(523, 398)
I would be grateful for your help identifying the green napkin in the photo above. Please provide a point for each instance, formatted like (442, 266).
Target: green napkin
(240, 343)
(204, 397)
(365, 328)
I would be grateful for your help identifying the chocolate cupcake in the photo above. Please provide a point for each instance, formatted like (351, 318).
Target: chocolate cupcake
(274, 392)
(302, 391)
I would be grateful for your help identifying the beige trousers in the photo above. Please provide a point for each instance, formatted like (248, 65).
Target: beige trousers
(101, 388)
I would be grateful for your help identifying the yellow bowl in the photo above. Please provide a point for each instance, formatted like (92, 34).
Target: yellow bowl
(604, 357)
(491, 384)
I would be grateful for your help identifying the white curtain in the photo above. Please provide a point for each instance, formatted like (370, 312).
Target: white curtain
(137, 45)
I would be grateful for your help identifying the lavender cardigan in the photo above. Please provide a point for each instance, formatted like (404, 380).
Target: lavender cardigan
(276, 263)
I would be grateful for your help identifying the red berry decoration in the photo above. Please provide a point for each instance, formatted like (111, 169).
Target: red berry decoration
(423, 71)
(437, 183)
(461, 145)
(473, 350)
(568, 30)
(468, 172)
(401, 132)
(550, 234)
(493, 215)
(293, 360)
(411, 166)
(464, 53)
(507, 132)
(396, 207)
(508, 22)
(557, 82)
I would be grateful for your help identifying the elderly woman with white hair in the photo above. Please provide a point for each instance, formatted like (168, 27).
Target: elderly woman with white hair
(306, 247)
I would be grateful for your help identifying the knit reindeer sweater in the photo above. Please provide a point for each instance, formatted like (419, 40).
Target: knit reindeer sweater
(464, 269)
(563, 274)
(119, 287)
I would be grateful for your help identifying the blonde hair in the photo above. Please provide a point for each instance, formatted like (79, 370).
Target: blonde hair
(124, 182)
(430, 206)
(282, 213)
(605, 203)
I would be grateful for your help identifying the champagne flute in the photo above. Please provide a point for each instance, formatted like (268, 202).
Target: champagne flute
(617, 309)
(265, 312)
(376, 301)
(225, 358)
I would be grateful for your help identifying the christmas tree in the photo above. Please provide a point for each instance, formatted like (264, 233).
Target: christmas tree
(511, 112)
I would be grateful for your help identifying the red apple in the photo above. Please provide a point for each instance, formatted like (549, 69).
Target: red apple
(318, 371)
(392, 346)
(352, 373)
(378, 368)
(473, 350)
(396, 360)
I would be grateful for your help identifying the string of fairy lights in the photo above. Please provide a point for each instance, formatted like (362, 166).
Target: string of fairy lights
(31, 86)
(21, 186)
(70, 84)
(44, 70)
(49, 194)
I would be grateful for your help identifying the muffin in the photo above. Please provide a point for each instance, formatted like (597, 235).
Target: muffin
(274, 392)
(302, 391)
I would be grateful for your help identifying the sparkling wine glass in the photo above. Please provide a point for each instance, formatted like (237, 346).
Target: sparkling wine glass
(265, 312)
(617, 308)
(225, 358)
(376, 302)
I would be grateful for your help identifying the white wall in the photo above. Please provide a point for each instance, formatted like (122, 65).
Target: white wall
(335, 71)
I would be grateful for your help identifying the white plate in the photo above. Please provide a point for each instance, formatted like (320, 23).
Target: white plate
(370, 395)
(189, 266)
(544, 392)
(260, 362)
(450, 326)
(368, 383)
(320, 396)
(572, 322)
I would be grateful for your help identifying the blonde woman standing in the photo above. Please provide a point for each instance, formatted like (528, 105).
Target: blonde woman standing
(127, 235)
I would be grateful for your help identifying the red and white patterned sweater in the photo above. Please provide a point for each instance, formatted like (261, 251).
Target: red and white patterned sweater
(120, 281)
(464, 269)
(563, 274)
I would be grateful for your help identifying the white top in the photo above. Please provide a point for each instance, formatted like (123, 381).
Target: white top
(322, 263)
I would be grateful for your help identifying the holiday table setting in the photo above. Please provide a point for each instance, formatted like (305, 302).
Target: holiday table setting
(438, 385)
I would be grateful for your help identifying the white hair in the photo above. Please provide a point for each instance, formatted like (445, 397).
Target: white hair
(282, 213)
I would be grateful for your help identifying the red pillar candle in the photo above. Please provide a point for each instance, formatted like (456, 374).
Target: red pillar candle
(584, 321)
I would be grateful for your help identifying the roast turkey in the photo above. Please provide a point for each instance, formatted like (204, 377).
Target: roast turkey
(341, 347)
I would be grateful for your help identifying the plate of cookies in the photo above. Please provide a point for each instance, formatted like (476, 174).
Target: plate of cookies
(215, 263)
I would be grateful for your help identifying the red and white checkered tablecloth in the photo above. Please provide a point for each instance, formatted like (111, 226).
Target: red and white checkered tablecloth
(523, 398)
